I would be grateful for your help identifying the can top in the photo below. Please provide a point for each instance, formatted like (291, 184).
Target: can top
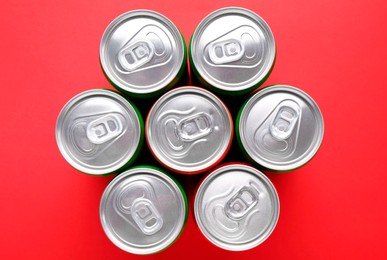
(236, 207)
(233, 49)
(281, 127)
(92, 128)
(141, 51)
(189, 129)
(142, 210)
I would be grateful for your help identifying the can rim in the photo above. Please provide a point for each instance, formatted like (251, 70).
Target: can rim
(121, 101)
(138, 170)
(181, 169)
(298, 162)
(222, 85)
(121, 84)
(222, 169)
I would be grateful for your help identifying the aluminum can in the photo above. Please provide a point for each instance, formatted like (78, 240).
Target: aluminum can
(280, 127)
(232, 51)
(236, 207)
(99, 132)
(189, 130)
(143, 53)
(143, 210)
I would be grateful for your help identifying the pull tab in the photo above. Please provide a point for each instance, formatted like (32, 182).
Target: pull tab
(146, 216)
(226, 51)
(241, 203)
(285, 120)
(104, 129)
(194, 127)
(136, 54)
(242, 47)
(148, 48)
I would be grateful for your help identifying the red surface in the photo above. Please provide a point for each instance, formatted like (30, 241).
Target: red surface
(334, 207)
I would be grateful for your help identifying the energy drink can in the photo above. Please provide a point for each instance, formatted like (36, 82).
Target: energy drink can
(189, 130)
(143, 211)
(280, 128)
(143, 53)
(236, 207)
(232, 51)
(99, 132)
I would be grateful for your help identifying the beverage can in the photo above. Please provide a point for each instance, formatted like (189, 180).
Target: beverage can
(280, 128)
(236, 207)
(143, 210)
(99, 132)
(189, 130)
(143, 53)
(232, 51)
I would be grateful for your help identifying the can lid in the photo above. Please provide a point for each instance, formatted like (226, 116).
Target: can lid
(281, 127)
(233, 49)
(98, 131)
(236, 207)
(142, 51)
(189, 129)
(143, 210)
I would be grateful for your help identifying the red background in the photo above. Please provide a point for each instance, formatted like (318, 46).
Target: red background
(334, 207)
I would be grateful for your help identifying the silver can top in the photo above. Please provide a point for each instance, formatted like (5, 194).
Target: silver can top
(98, 131)
(281, 127)
(236, 207)
(142, 51)
(189, 129)
(233, 49)
(143, 211)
